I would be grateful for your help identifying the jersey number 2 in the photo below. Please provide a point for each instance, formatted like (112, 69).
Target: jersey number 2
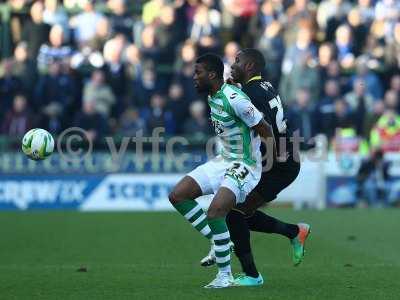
(280, 122)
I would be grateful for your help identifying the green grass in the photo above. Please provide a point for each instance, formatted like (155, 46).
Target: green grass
(352, 254)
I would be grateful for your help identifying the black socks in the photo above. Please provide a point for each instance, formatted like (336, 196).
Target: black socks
(261, 222)
(240, 236)
(239, 228)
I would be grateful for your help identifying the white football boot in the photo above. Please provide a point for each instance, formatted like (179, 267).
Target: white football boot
(222, 280)
(209, 260)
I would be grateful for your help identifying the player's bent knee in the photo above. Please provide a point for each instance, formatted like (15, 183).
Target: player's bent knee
(174, 198)
(186, 189)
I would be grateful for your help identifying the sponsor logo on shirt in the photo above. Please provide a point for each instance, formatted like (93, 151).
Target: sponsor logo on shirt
(249, 112)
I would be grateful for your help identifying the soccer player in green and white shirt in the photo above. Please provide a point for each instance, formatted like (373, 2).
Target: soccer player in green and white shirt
(233, 174)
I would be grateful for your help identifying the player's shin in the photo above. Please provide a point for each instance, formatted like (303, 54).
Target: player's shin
(193, 212)
(240, 236)
(221, 239)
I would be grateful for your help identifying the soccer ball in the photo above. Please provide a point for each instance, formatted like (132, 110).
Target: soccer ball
(37, 144)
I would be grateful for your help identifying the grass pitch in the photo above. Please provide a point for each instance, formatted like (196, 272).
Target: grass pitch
(352, 254)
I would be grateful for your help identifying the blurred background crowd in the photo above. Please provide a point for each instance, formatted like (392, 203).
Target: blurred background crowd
(114, 67)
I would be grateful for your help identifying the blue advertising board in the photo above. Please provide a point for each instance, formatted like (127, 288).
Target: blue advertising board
(78, 192)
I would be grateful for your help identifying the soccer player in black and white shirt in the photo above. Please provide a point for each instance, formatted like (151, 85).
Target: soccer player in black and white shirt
(278, 173)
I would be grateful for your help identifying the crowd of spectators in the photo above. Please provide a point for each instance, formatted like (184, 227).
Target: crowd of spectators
(118, 66)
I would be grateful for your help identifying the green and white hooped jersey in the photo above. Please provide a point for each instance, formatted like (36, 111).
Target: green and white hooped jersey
(233, 115)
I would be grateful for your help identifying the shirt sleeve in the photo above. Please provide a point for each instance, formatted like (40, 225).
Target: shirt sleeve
(246, 111)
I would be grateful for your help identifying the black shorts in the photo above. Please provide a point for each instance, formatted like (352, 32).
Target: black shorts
(277, 179)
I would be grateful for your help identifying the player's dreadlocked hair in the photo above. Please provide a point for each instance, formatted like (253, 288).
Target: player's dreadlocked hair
(255, 56)
(212, 63)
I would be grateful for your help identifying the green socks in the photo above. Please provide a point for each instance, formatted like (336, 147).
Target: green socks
(192, 212)
(221, 239)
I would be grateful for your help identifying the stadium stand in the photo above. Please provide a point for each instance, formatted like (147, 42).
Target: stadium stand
(128, 64)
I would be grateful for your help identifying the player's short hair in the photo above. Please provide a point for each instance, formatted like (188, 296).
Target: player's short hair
(212, 63)
(255, 56)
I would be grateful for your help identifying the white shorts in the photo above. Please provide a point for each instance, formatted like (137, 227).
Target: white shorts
(237, 176)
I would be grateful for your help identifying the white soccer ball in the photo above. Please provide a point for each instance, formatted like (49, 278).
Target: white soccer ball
(37, 144)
